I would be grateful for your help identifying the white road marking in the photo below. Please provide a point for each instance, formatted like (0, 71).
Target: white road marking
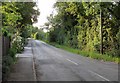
(72, 61)
(99, 75)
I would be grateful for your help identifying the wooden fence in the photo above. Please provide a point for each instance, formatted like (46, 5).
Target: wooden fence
(5, 45)
(0, 46)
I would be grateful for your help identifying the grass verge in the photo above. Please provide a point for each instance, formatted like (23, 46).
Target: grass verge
(93, 55)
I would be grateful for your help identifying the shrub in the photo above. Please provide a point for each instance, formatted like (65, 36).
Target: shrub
(6, 64)
(17, 44)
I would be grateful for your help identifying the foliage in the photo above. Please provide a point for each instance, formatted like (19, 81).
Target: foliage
(77, 25)
(17, 43)
(7, 61)
(17, 19)
(93, 55)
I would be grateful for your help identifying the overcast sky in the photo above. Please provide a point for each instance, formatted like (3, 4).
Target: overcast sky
(46, 8)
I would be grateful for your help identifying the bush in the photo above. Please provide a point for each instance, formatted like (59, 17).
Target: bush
(6, 64)
(17, 44)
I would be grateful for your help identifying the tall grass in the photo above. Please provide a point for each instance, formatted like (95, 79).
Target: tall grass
(93, 55)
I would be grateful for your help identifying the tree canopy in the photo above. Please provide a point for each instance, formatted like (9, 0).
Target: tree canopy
(79, 24)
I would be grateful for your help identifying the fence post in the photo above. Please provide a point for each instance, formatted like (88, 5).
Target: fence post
(0, 57)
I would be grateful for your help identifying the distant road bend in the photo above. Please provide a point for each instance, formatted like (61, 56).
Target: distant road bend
(54, 64)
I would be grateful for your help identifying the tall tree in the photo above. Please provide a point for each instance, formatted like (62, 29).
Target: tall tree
(90, 26)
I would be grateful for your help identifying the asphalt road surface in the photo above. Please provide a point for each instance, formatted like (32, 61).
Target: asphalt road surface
(54, 64)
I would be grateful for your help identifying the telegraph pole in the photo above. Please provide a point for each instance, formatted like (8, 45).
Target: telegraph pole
(101, 34)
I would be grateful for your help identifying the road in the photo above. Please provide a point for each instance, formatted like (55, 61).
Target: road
(54, 64)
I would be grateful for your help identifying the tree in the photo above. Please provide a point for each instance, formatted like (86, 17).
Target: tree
(16, 18)
(89, 26)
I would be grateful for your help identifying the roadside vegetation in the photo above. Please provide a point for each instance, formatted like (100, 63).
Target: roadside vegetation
(94, 55)
(87, 28)
(17, 26)
(91, 29)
